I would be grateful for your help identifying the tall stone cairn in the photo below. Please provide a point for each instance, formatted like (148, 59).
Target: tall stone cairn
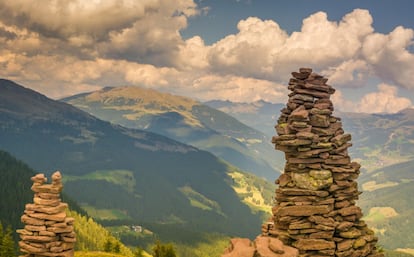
(47, 231)
(315, 209)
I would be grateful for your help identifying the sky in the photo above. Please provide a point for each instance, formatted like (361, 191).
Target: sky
(237, 50)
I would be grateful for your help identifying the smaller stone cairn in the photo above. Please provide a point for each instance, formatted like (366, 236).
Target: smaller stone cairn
(47, 231)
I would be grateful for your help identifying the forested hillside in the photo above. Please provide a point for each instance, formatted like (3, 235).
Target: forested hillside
(14, 189)
(15, 192)
(130, 174)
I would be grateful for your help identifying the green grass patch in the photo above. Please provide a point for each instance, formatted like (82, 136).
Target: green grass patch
(406, 250)
(372, 185)
(254, 192)
(380, 214)
(105, 214)
(213, 245)
(124, 178)
(200, 201)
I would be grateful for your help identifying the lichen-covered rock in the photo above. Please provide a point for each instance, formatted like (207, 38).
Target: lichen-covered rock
(307, 181)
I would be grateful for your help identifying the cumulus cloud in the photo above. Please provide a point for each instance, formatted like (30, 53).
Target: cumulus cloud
(385, 100)
(66, 47)
(144, 31)
(250, 52)
(155, 39)
(390, 57)
(73, 18)
(238, 89)
(193, 54)
(342, 104)
(263, 50)
(352, 73)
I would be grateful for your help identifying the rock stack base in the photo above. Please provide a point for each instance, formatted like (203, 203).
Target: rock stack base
(47, 230)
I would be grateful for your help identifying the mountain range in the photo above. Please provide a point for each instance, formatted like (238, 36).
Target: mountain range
(131, 174)
(134, 175)
(187, 121)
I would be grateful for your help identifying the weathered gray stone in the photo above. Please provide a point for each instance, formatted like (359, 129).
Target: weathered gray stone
(351, 210)
(300, 75)
(321, 121)
(314, 93)
(314, 244)
(299, 114)
(352, 233)
(300, 211)
(345, 245)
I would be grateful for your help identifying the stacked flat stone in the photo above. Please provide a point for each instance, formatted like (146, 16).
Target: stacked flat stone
(47, 231)
(262, 246)
(315, 207)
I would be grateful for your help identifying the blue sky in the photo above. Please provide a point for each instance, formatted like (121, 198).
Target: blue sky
(238, 50)
(223, 15)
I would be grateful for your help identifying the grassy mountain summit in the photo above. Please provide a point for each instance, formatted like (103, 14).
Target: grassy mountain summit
(135, 103)
(157, 179)
(184, 120)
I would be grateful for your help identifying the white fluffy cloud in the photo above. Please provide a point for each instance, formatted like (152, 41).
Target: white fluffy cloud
(238, 89)
(385, 100)
(145, 31)
(389, 56)
(66, 47)
(263, 50)
(251, 52)
(350, 73)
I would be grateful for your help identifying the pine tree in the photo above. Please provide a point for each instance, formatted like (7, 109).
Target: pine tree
(163, 250)
(107, 245)
(1, 233)
(7, 244)
(117, 247)
(138, 252)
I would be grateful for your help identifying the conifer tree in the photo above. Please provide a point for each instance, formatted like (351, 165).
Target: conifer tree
(117, 247)
(1, 233)
(163, 250)
(7, 244)
(107, 245)
(138, 252)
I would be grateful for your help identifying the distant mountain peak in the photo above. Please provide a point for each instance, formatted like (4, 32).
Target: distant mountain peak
(136, 101)
(139, 94)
